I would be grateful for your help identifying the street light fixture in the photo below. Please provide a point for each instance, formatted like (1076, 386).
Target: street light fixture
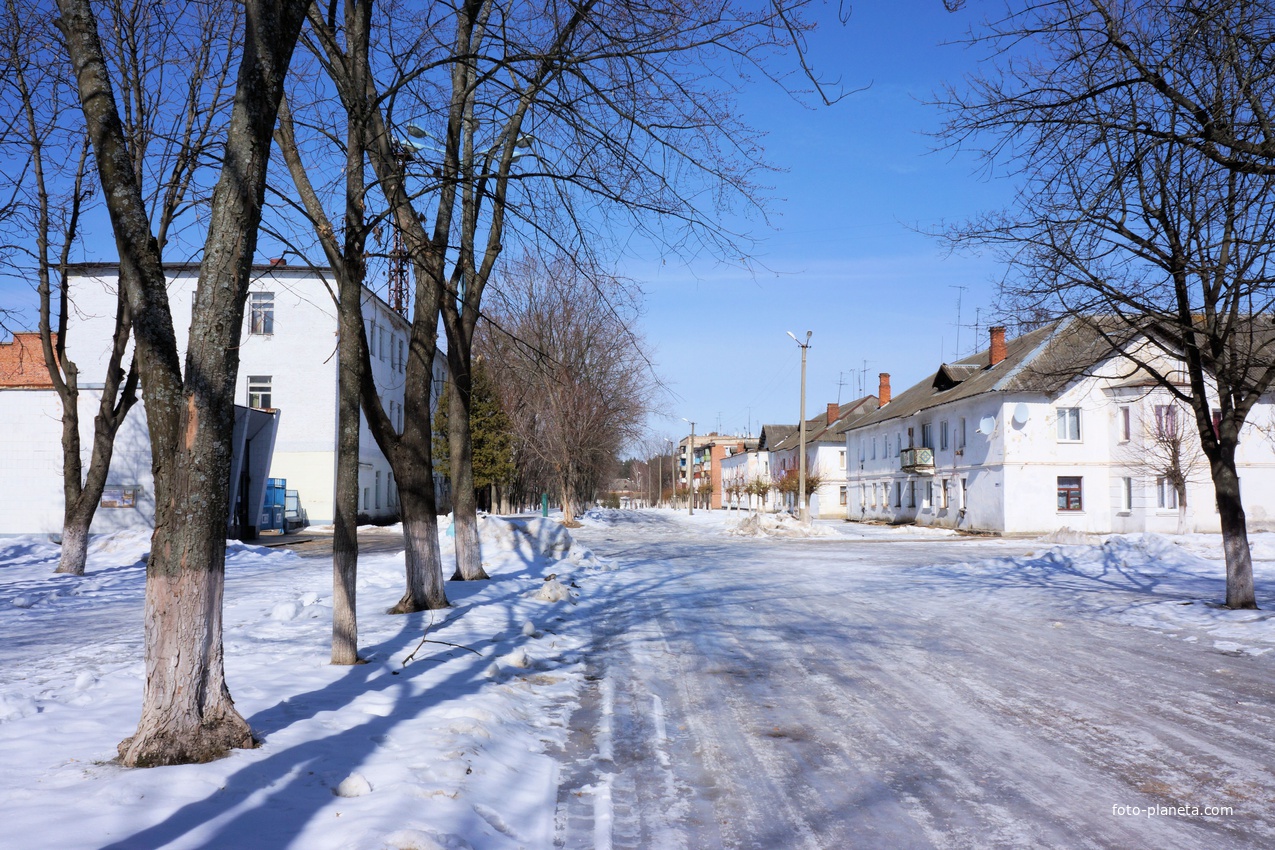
(690, 471)
(802, 501)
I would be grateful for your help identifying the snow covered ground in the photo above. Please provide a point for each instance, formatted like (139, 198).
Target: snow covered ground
(855, 686)
(448, 751)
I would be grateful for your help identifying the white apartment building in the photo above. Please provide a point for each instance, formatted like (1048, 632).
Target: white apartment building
(288, 364)
(1038, 433)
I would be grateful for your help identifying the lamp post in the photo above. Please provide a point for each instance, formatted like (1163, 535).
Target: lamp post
(690, 471)
(802, 501)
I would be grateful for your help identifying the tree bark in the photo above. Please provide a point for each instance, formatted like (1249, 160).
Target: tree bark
(345, 538)
(425, 589)
(469, 565)
(1239, 560)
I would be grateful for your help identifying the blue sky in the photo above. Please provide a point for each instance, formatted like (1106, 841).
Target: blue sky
(841, 256)
(844, 256)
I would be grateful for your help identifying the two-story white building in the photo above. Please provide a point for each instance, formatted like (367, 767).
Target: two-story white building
(825, 455)
(288, 364)
(1042, 432)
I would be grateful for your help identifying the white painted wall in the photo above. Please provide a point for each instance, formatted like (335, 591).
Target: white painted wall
(299, 356)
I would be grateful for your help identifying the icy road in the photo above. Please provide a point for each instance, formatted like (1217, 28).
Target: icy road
(899, 690)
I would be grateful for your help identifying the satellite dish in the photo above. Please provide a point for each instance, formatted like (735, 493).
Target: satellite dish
(987, 425)
(1021, 414)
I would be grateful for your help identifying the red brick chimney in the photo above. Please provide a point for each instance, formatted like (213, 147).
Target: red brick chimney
(997, 352)
(883, 391)
(833, 411)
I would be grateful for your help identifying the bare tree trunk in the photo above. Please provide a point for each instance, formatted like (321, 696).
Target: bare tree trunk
(1239, 560)
(425, 589)
(469, 565)
(187, 713)
(345, 539)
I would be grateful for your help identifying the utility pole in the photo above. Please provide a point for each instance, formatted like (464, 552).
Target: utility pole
(690, 471)
(802, 501)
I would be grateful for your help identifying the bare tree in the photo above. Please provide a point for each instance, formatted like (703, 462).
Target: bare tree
(173, 68)
(187, 712)
(573, 378)
(344, 250)
(1132, 213)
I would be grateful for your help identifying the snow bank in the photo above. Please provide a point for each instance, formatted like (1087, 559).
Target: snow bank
(778, 525)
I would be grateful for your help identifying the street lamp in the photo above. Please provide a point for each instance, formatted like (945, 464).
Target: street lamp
(803, 502)
(690, 471)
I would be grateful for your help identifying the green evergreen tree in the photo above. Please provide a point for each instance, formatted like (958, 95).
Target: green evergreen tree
(492, 435)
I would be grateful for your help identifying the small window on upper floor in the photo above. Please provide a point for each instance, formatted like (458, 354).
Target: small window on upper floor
(260, 312)
(259, 392)
(943, 435)
(1068, 424)
(1124, 423)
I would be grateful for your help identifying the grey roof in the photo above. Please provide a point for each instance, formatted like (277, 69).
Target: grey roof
(819, 430)
(1044, 361)
(772, 435)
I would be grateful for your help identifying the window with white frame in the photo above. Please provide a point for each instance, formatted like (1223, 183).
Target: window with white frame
(1126, 494)
(911, 494)
(927, 435)
(384, 334)
(943, 435)
(945, 496)
(965, 493)
(898, 494)
(259, 392)
(261, 313)
(960, 433)
(843, 496)
(1068, 424)
(377, 502)
(929, 494)
(841, 459)
(1124, 423)
(1166, 495)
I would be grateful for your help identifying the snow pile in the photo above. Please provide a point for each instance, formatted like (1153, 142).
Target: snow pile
(778, 525)
(1066, 536)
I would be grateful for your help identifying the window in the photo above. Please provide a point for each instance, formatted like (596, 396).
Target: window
(259, 395)
(383, 335)
(366, 498)
(943, 435)
(1069, 424)
(875, 488)
(911, 494)
(1126, 494)
(945, 494)
(960, 434)
(863, 448)
(1069, 493)
(929, 494)
(390, 493)
(874, 448)
(1166, 495)
(402, 361)
(965, 493)
(261, 312)
(841, 461)
(898, 494)
(898, 445)
(843, 496)
(911, 438)
(377, 503)
(1124, 417)
(927, 435)
(1166, 422)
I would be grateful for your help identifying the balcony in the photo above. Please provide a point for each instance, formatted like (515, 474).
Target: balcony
(918, 460)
